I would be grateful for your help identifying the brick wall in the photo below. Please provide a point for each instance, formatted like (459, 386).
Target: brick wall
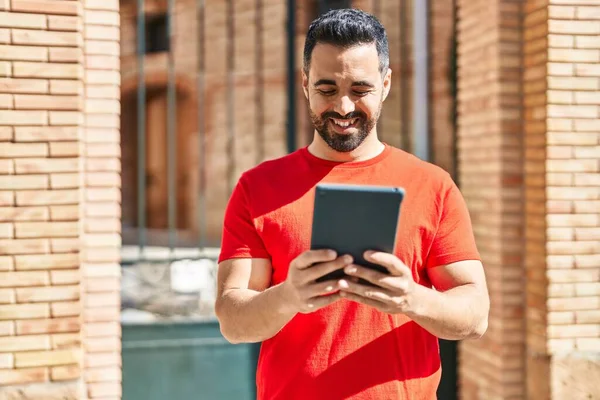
(568, 338)
(49, 216)
(490, 175)
(100, 268)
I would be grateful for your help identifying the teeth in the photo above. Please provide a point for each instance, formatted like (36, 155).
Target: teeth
(344, 123)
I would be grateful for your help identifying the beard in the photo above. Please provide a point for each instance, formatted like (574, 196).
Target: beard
(343, 143)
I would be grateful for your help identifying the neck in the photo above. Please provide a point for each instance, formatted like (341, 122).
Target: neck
(369, 148)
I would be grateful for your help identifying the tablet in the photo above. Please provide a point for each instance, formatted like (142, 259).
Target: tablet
(351, 219)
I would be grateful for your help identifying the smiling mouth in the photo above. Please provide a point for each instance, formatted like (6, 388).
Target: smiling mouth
(345, 123)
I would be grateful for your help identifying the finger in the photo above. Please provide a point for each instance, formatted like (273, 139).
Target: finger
(370, 275)
(320, 289)
(389, 261)
(322, 269)
(363, 300)
(308, 258)
(318, 302)
(367, 291)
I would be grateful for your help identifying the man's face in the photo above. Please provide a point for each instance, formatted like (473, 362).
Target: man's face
(345, 92)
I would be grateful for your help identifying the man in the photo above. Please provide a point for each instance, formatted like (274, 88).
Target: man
(340, 339)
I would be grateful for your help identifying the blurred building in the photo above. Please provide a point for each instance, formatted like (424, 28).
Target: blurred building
(123, 130)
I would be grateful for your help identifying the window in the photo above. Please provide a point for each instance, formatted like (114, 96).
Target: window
(157, 36)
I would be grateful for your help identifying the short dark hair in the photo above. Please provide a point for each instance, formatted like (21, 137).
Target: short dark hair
(346, 28)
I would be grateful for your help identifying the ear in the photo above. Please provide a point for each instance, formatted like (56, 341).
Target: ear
(305, 84)
(387, 83)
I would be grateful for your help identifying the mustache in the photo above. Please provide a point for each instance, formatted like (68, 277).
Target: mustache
(350, 115)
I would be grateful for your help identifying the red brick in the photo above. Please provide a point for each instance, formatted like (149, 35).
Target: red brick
(103, 179)
(6, 198)
(65, 181)
(47, 7)
(7, 328)
(69, 245)
(22, 20)
(7, 361)
(588, 12)
(109, 5)
(46, 165)
(25, 343)
(65, 54)
(94, 32)
(7, 167)
(561, 12)
(47, 70)
(24, 246)
(109, 18)
(95, 360)
(67, 277)
(21, 150)
(55, 325)
(65, 341)
(47, 294)
(110, 374)
(95, 300)
(104, 106)
(23, 53)
(24, 214)
(65, 23)
(23, 117)
(66, 118)
(6, 263)
(23, 375)
(102, 62)
(108, 314)
(100, 47)
(103, 165)
(47, 197)
(48, 261)
(6, 133)
(102, 329)
(46, 38)
(104, 389)
(13, 182)
(574, 27)
(24, 311)
(102, 225)
(102, 92)
(61, 86)
(103, 150)
(100, 284)
(65, 309)
(65, 213)
(65, 149)
(46, 133)
(47, 358)
(65, 373)
(7, 296)
(19, 279)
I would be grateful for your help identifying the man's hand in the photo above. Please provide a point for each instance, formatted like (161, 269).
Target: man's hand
(391, 293)
(300, 289)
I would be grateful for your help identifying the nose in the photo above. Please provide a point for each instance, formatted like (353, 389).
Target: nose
(344, 105)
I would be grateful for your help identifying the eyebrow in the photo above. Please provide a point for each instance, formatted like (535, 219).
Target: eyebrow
(332, 82)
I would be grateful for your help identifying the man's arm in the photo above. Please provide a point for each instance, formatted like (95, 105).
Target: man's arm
(250, 311)
(247, 309)
(459, 308)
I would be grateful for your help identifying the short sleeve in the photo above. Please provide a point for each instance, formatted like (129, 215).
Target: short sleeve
(454, 240)
(240, 238)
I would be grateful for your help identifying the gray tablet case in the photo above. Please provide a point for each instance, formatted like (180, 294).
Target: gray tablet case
(351, 219)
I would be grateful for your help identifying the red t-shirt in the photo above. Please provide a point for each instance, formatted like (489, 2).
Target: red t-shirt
(347, 350)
